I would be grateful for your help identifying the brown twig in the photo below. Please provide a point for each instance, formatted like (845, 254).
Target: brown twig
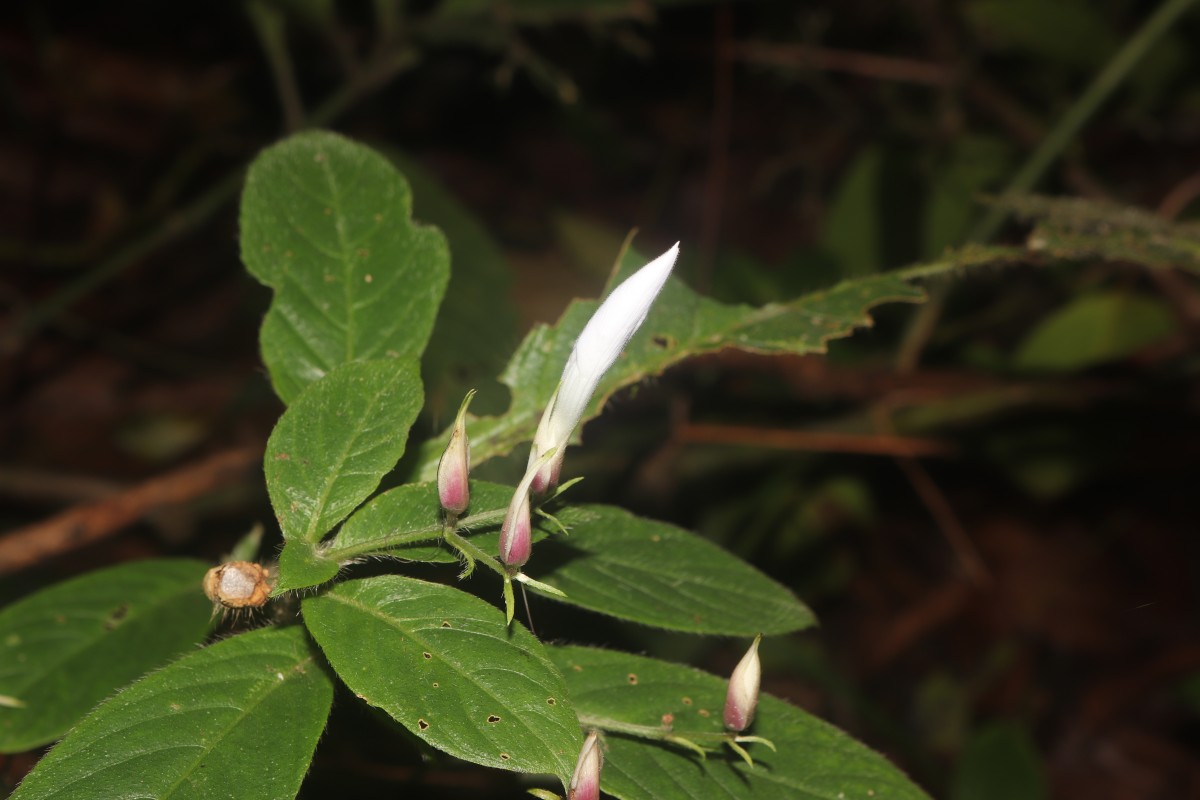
(867, 65)
(92, 522)
(939, 508)
(1180, 197)
(811, 441)
(33, 485)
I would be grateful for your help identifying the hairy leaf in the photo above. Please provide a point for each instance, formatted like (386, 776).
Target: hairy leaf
(301, 565)
(238, 719)
(65, 648)
(1074, 229)
(814, 760)
(446, 666)
(326, 223)
(333, 445)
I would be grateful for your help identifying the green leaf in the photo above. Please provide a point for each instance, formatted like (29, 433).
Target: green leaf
(238, 719)
(326, 223)
(413, 512)
(1072, 229)
(65, 648)
(445, 666)
(999, 762)
(650, 572)
(1095, 329)
(1036, 27)
(612, 562)
(854, 225)
(333, 445)
(474, 334)
(813, 759)
(301, 565)
(683, 324)
(873, 218)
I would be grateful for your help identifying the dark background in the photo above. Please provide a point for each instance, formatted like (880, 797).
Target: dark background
(1015, 617)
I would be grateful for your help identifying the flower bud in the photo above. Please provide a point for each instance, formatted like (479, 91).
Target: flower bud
(516, 534)
(455, 466)
(585, 783)
(599, 345)
(742, 697)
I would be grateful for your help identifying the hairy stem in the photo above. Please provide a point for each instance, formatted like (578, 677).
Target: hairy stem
(428, 533)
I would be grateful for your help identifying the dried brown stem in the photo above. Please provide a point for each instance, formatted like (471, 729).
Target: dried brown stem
(92, 522)
(867, 65)
(813, 441)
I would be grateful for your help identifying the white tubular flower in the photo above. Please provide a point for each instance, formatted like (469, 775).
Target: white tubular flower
(742, 698)
(596, 349)
(585, 783)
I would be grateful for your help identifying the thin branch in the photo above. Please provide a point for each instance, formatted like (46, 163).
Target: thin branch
(94, 521)
(867, 65)
(811, 441)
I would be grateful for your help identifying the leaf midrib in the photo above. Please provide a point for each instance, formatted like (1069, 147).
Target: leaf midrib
(393, 622)
(313, 533)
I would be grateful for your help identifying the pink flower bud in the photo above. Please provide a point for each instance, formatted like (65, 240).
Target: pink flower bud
(742, 697)
(585, 783)
(455, 466)
(516, 534)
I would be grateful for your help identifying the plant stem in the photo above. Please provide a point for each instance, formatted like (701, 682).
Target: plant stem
(471, 551)
(427, 534)
(656, 733)
(173, 227)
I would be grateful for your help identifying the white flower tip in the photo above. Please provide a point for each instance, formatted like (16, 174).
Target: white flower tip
(599, 345)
